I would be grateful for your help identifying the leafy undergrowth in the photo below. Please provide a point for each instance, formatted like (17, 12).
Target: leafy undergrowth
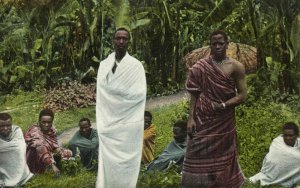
(161, 179)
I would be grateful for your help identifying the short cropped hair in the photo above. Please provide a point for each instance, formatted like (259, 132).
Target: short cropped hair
(5, 116)
(219, 32)
(46, 112)
(85, 119)
(291, 126)
(148, 114)
(181, 124)
(122, 29)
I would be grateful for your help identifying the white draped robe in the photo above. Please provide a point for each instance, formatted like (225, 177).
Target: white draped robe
(281, 165)
(120, 106)
(13, 167)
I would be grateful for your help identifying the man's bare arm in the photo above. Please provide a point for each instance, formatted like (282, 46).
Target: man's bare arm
(239, 76)
(191, 125)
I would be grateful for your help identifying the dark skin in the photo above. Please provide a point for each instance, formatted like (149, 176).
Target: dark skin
(5, 128)
(234, 69)
(85, 129)
(121, 41)
(45, 124)
(179, 135)
(289, 137)
(147, 122)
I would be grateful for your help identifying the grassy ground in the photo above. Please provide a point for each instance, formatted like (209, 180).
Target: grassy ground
(25, 107)
(257, 124)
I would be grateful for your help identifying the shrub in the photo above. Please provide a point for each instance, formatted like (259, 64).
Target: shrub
(161, 179)
(71, 167)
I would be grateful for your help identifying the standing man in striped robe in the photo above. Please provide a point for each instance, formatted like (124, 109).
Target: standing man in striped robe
(216, 84)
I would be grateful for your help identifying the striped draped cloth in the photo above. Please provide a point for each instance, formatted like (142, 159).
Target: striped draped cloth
(211, 155)
(41, 148)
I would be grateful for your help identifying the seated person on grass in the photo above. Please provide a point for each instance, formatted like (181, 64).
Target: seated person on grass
(42, 145)
(85, 143)
(281, 164)
(149, 137)
(13, 167)
(174, 152)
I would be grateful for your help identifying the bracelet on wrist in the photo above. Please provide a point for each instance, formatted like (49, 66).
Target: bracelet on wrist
(223, 105)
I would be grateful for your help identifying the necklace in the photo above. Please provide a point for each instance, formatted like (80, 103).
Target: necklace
(219, 62)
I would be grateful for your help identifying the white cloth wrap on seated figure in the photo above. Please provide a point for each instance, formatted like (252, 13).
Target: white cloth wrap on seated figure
(13, 167)
(281, 165)
(120, 106)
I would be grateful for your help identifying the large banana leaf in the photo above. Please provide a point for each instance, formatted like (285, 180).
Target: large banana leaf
(295, 35)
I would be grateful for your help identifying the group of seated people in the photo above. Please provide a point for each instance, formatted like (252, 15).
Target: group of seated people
(37, 149)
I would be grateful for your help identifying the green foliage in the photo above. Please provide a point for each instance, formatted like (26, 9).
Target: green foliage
(70, 95)
(273, 33)
(71, 167)
(221, 9)
(37, 40)
(160, 90)
(44, 42)
(258, 125)
(265, 82)
(295, 34)
(162, 179)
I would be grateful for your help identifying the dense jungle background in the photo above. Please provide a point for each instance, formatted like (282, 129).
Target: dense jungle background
(46, 42)
(50, 51)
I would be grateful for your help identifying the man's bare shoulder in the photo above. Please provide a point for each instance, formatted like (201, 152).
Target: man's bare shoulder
(238, 66)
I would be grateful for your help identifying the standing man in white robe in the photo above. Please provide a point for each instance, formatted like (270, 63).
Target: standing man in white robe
(120, 105)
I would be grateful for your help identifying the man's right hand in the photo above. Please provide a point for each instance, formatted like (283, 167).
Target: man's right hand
(191, 127)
